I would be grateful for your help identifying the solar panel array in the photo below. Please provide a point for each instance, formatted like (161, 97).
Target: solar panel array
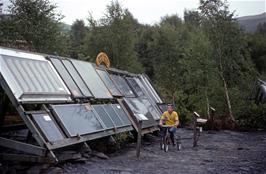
(70, 88)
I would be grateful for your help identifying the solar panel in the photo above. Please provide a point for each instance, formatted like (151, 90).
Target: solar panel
(151, 91)
(108, 82)
(104, 116)
(77, 119)
(137, 107)
(122, 114)
(137, 89)
(81, 84)
(92, 79)
(162, 106)
(75, 91)
(31, 77)
(48, 127)
(122, 85)
(154, 112)
(111, 112)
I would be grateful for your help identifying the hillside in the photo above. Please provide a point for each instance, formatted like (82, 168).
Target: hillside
(250, 22)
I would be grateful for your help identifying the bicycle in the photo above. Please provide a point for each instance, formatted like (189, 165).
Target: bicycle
(166, 140)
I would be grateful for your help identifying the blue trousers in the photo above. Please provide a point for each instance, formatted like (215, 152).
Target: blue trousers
(172, 132)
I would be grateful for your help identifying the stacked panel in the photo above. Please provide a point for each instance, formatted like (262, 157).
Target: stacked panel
(31, 77)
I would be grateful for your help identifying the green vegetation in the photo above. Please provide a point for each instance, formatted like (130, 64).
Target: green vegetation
(205, 60)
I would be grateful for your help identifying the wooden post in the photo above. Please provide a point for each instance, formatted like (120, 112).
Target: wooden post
(212, 117)
(139, 139)
(194, 131)
(195, 138)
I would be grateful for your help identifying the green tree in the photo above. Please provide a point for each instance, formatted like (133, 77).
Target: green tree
(77, 36)
(37, 23)
(114, 34)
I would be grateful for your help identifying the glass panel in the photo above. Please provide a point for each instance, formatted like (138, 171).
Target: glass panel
(77, 119)
(146, 89)
(150, 89)
(162, 106)
(82, 86)
(92, 79)
(48, 127)
(104, 116)
(32, 80)
(135, 86)
(122, 85)
(137, 107)
(109, 109)
(122, 114)
(108, 82)
(156, 115)
(66, 77)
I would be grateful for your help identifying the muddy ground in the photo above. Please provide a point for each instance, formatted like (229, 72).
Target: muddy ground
(217, 152)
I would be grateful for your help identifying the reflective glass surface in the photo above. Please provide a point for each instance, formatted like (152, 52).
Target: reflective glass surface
(122, 85)
(32, 80)
(48, 127)
(66, 77)
(108, 82)
(138, 91)
(111, 112)
(82, 86)
(104, 116)
(137, 107)
(122, 114)
(154, 112)
(163, 107)
(150, 89)
(77, 119)
(92, 79)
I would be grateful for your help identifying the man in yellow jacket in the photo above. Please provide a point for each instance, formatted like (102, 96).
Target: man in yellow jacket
(170, 118)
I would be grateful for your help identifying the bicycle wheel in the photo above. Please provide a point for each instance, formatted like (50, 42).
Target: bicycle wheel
(162, 144)
(178, 142)
(166, 148)
(178, 146)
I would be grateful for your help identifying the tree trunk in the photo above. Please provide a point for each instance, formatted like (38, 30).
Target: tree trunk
(228, 103)
(227, 98)
(207, 104)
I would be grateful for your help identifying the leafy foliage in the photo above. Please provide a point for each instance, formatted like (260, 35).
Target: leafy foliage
(201, 61)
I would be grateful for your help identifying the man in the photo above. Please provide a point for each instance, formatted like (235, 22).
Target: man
(170, 118)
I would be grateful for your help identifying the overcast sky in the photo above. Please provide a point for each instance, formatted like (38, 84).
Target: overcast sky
(146, 11)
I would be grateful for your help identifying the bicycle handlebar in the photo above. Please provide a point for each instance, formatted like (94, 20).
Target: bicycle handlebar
(167, 126)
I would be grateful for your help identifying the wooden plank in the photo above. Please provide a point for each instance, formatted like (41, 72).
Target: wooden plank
(23, 147)
(139, 139)
(84, 138)
(27, 158)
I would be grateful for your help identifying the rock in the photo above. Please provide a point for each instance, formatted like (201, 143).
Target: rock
(54, 170)
(100, 155)
(67, 156)
(244, 168)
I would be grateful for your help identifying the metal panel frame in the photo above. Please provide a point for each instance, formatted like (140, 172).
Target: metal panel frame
(67, 59)
(45, 98)
(102, 69)
(135, 121)
(65, 129)
(35, 133)
(145, 79)
(60, 59)
(108, 98)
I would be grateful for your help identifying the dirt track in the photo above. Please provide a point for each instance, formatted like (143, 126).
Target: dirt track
(218, 152)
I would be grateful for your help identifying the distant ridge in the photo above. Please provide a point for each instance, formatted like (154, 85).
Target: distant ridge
(250, 22)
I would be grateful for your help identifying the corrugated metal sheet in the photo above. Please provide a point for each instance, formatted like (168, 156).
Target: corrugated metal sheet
(32, 79)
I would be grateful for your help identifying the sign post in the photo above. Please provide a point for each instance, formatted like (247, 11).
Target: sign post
(140, 118)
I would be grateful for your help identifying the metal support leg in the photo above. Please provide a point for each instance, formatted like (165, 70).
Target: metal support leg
(139, 139)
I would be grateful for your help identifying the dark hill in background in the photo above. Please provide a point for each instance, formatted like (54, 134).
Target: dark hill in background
(250, 22)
